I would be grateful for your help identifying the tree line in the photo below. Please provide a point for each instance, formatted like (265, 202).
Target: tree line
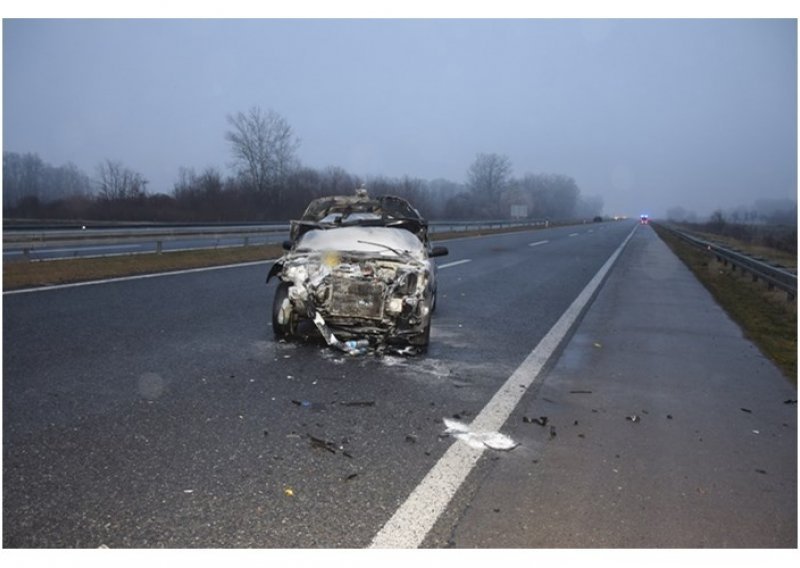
(269, 183)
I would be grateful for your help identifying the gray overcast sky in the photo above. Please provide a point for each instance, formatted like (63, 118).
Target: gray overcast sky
(649, 114)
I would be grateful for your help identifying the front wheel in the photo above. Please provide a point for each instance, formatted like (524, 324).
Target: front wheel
(421, 340)
(284, 319)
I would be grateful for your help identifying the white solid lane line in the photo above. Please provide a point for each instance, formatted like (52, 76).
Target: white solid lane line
(455, 263)
(411, 523)
(537, 243)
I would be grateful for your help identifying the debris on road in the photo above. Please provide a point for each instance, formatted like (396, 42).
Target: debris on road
(479, 440)
(322, 444)
(351, 477)
(633, 418)
(761, 471)
(357, 403)
(552, 432)
(580, 392)
(411, 439)
(541, 421)
(329, 446)
(790, 401)
(747, 410)
(288, 491)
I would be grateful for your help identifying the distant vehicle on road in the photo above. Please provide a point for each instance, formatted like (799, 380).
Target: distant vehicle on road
(598, 219)
(644, 219)
(360, 270)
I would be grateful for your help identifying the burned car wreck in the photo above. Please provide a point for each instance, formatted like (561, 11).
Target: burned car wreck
(358, 270)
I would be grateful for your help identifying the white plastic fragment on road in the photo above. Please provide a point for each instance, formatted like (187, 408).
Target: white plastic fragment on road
(479, 440)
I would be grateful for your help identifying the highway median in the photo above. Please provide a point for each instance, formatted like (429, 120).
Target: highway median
(31, 274)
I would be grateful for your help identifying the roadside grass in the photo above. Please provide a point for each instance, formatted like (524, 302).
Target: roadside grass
(766, 316)
(22, 274)
(29, 274)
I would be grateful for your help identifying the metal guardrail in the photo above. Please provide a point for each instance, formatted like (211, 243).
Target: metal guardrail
(31, 240)
(774, 276)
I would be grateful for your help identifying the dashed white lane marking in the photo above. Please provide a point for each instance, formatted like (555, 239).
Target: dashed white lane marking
(137, 277)
(455, 263)
(411, 523)
(537, 243)
(574, 234)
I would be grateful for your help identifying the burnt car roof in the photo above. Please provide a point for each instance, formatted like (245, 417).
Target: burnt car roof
(386, 206)
(360, 209)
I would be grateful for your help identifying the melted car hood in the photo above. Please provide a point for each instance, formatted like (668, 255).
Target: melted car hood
(377, 241)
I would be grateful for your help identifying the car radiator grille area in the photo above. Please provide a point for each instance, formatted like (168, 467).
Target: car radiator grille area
(356, 298)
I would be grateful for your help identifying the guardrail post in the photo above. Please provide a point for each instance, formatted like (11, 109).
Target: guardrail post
(247, 241)
(26, 252)
(158, 247)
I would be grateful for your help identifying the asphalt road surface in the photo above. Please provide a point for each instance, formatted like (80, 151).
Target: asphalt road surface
(161, 413)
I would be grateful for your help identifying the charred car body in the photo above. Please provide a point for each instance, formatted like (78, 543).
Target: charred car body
(358, 269)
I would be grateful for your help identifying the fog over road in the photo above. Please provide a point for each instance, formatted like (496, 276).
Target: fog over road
(161, 413)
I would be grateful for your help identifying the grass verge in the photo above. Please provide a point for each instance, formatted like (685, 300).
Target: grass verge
(22, 274)
(17, 275)
(766, 316)
(755, 250)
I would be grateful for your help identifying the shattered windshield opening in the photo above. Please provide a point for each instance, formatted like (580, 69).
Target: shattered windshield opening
(386, 207)
(362, 211)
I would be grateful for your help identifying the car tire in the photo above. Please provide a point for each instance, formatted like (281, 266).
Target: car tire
(422, 340)
(283, 330)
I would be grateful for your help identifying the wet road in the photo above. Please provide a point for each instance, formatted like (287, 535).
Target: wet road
(161, 413)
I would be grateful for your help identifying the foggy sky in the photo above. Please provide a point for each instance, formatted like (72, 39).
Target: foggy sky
(648, 114)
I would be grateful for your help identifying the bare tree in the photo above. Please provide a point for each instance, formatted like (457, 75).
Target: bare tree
(717, 220)
(27, 176)
(115, 181)
(488, 177)
(264, 147)
(23, 176)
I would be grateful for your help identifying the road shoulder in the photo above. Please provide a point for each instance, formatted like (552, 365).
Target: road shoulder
(664, 427)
